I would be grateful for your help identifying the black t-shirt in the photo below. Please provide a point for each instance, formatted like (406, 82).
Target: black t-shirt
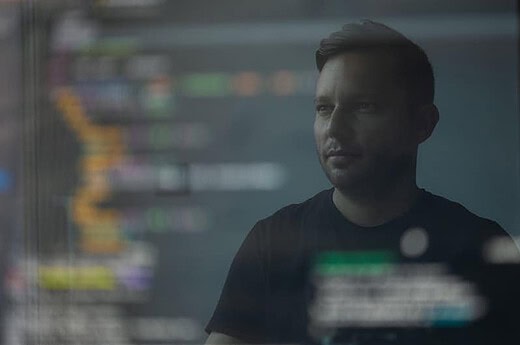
(266, 294)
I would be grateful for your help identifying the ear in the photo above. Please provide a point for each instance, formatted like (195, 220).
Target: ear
(427, 117)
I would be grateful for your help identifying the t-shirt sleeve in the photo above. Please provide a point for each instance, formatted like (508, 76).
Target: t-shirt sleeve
(240, 311)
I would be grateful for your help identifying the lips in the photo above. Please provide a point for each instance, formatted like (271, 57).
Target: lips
(342, 158)
(342, 153)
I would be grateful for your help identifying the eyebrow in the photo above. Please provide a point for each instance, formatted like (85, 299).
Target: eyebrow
(321, 99)
(325, 99)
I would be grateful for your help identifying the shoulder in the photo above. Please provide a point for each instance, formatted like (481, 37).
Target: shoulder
(457, 220)
(473, 236)
(452, 211)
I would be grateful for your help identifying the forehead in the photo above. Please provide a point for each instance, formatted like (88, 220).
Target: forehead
(359, 72)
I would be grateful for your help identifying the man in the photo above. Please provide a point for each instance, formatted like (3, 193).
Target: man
(374, 106)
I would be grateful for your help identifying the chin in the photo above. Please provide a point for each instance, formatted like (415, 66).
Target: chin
(346, 178)
(352, 179)
(343, 180)
(346, 186)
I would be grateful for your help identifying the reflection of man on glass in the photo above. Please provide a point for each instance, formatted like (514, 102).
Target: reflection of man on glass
(374, 106)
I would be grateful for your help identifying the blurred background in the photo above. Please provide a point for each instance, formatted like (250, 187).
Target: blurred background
(142, 139)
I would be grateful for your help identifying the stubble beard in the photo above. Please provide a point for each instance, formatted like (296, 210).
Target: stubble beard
(375, 180)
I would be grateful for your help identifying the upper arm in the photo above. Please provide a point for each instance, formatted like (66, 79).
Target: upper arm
(241, 309)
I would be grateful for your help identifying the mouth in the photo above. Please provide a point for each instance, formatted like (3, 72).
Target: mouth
(342, 158)
(342, 153)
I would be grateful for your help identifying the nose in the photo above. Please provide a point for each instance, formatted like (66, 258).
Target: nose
(340, 124)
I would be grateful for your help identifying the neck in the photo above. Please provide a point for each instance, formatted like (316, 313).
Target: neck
(376, 208)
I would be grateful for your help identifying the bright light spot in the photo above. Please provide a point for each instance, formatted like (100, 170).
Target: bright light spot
(414, 242)
(501, 250)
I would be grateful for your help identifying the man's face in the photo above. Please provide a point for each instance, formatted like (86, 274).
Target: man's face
(364, 131)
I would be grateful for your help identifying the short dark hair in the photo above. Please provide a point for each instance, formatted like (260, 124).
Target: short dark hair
(416, 68)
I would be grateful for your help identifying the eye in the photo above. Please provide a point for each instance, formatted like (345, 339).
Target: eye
(366, 107)
(324, 109)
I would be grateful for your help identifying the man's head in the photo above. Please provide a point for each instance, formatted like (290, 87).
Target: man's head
(374, 106)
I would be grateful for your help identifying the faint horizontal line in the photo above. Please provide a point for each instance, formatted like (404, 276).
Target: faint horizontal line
(310, 32)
